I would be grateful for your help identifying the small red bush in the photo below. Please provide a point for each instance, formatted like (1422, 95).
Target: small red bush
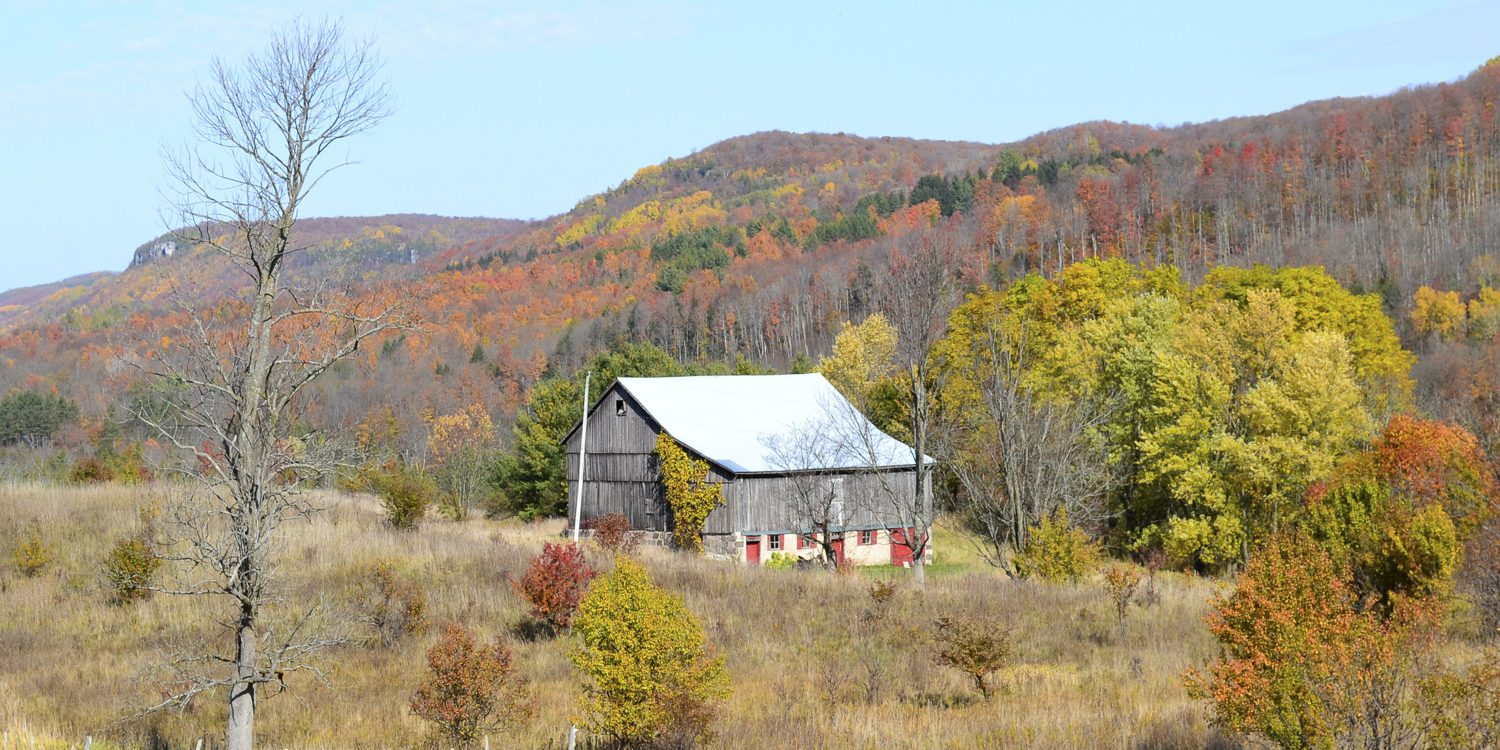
(612, 532)
(554, 582)
(470, 688)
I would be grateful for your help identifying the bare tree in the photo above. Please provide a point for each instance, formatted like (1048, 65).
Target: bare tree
(812, 456)
(917, 295)
(1023, 454)
(230, 388)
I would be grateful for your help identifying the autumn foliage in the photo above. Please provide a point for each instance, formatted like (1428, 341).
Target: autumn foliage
(975, 646)
(1302, 661)
(1400, 514)
(470, 688)
(690, 492)
(554, 583)
(612, 532)
(648, 675)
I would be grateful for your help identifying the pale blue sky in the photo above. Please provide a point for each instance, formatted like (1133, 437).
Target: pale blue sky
(521, 109)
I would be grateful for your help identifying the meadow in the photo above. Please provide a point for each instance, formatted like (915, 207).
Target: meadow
(810, 664)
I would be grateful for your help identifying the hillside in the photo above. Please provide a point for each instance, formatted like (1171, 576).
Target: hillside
(761, 246)
(15, 302)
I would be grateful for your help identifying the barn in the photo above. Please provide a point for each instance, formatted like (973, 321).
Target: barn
(773, 441)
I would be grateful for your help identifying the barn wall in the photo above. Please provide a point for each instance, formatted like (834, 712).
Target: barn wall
(622, 472)
(766, 503)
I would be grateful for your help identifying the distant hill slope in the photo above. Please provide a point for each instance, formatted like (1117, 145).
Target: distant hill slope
(363, 247)
(761, 246)
(15, 301)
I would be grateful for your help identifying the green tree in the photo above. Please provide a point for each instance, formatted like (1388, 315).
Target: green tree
(532, 479)
(648, 673)
(33, 418)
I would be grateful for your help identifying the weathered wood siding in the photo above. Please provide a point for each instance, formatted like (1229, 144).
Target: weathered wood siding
(764, 504)
(623, 477)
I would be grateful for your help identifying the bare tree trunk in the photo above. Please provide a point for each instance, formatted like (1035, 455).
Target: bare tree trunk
(240, 734)
(232, 400)
(923, 501)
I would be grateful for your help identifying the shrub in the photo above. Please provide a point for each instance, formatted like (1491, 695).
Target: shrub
(972, 646)
(470, 688)
(881, 594)
(554, 583)
(1301, 663)
(33, 555)
(1460, 709)
(129, 570)
(90, 471)
(1121, 583)
(612, 532)
(689, 491)
(649, 678)
(393, 607)
(406, 493)
(1056, 551)
(781, 561)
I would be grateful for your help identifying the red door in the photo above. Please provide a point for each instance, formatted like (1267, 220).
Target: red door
(752, 550)
(838, 549)
(900, 553)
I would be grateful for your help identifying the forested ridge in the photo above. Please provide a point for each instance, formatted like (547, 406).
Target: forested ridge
(760, 247)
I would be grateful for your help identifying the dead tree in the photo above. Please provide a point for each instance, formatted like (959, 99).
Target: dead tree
(1020, 455)
(229, 389)
(917, 295)
(812, 456)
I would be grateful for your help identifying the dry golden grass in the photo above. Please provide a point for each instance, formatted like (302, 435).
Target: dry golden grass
(807, 669)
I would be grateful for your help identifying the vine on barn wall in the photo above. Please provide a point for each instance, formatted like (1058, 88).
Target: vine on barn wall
(689, 492)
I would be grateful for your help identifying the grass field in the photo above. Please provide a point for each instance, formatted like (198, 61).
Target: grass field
(807, 669)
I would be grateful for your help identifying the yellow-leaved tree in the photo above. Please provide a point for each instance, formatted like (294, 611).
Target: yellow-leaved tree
(649, 677)
(862, 366)
(1436, 313)
(460, 444)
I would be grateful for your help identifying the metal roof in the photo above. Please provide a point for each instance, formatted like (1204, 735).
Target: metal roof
(767, 423)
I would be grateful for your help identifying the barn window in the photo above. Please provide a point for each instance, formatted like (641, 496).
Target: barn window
(867, 537)
(775, 542)
(619, 407)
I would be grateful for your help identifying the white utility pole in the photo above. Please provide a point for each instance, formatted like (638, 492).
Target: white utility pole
(583, 451)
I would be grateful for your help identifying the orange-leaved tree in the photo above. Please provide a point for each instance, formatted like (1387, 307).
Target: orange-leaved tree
(1302, 662)
(1400, 514)
(554, 583)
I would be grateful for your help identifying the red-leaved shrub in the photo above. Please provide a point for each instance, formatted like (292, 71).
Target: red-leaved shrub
(554, 582)
(612, 532)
